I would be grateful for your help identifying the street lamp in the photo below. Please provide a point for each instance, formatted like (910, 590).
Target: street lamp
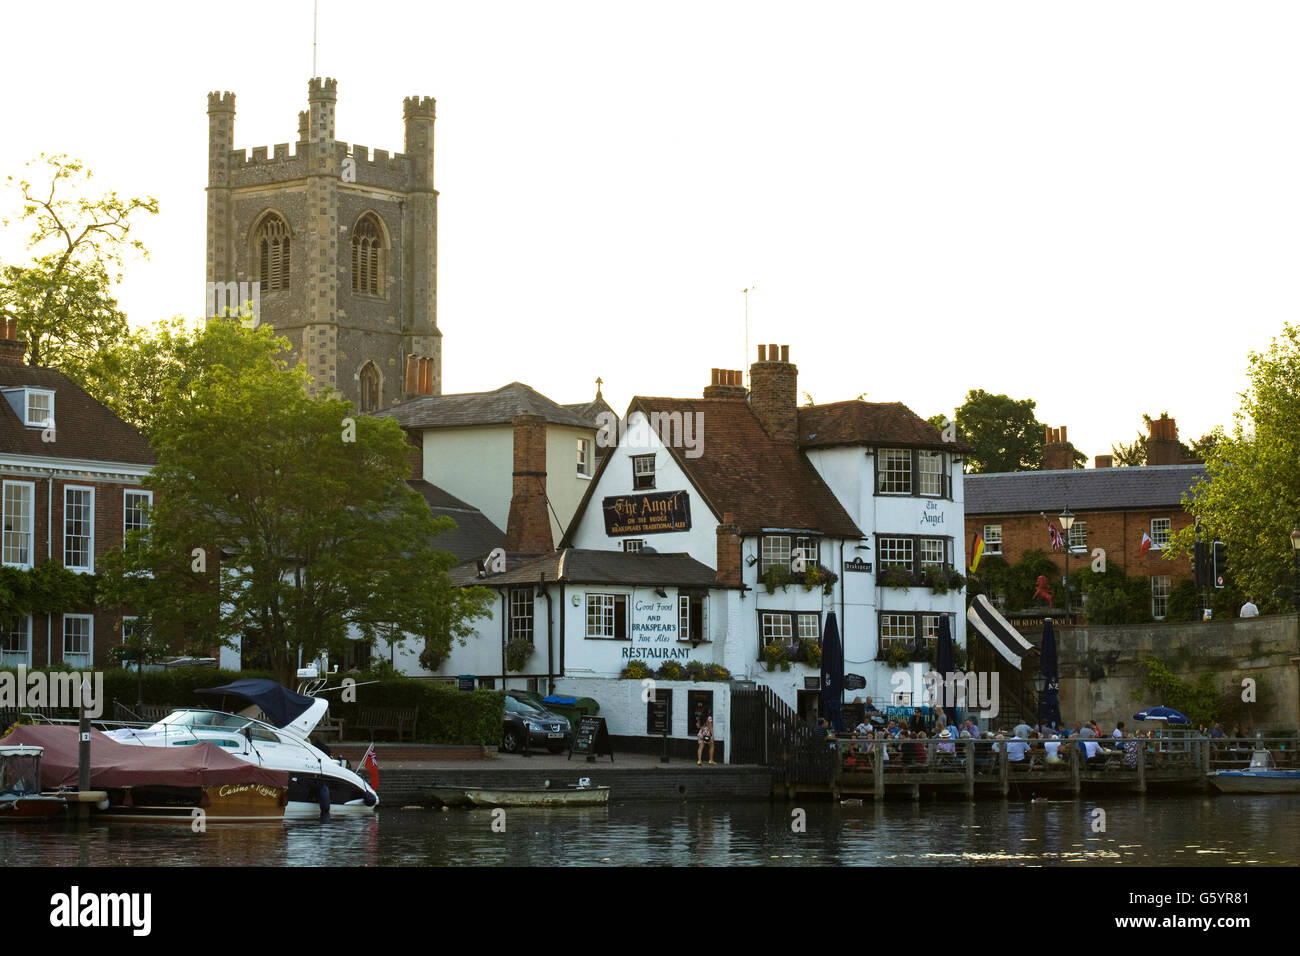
(1295, 553)
(1067, 521)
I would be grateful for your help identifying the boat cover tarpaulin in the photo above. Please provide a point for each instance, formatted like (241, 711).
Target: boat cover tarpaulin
(1005, 639)
(280, 704)
(114, 766)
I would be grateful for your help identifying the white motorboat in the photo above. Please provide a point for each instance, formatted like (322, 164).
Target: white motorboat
(1261, 776)
(317, 782)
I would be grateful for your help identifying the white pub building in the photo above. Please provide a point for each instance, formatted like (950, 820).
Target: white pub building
(686, 547)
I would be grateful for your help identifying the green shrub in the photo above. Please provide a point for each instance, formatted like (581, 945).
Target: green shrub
(694, 670)
(776, 576)
(774, 656)
(1198, 701)
(670, 670)
(1184, 602)
(898, 655)
(517, 653)
(715, 672)
(446, 715)
(636, 670)
(812, 652)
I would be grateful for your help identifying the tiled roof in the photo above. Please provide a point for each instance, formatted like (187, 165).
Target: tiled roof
(868, 423)
(474, 536)
(575, 566)
(597, 406)
(764, 483)
(486, 408)
(1095, 489)
(83, 428)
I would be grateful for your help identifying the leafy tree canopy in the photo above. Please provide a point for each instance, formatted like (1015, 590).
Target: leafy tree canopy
(278, 514)
(1004, 432)
(1251, 498)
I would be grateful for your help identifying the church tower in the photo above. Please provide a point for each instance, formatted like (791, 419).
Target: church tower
(341, 246)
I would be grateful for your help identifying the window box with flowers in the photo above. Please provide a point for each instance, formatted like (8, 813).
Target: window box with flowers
(894, 578)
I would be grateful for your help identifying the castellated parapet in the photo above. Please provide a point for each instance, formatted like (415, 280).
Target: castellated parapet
(325, 200)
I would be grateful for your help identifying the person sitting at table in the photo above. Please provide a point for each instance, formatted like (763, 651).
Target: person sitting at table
(971, 729)
(946, 745)
(1131, 750)
(918, 721)
(1093, 753)
(862, 727)
(1052, 748)
(869, 707)
(919, 748)
(1017, 749)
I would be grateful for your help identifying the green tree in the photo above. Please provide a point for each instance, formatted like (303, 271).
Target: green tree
(280, 518)
(1250, 498)
(141, 369)
(62, 299)
(1004, 433)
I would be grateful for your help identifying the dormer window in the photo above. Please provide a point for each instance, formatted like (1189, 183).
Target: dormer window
(40, 408)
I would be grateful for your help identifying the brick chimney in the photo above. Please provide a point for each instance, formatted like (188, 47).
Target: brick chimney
(12, 349)
(1104, 461)
(415, 454)
(1058, 453)
(729, 552)
(726, 383)
(1162, 442)
(773, 392)
(412, 374)
(528, 527)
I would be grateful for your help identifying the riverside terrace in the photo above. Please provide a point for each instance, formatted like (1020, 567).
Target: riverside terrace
(853, 766)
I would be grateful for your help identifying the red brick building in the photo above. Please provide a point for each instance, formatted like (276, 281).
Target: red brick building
(1113, 508)
(71, 477)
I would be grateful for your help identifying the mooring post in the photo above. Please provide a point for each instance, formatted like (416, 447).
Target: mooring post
(878, 770)
(1142, 770)
(1076, 776)
(1004, 784)
(970, 768)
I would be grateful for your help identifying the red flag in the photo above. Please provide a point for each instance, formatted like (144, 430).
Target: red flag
(1146, 543)
(371, 765)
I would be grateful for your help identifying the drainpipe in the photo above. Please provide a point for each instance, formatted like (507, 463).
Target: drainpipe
(550, 648)
(504, 609)
(563, 601)
(49, 556)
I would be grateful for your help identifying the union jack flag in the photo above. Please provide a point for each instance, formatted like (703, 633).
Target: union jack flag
(370, 765)
(1057, 541)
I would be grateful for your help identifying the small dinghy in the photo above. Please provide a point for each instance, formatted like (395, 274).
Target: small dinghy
(538, 797)
(20, 785)
(1261, 776)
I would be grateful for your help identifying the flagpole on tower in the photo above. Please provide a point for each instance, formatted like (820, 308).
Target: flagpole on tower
(315, 11)
(746, 293)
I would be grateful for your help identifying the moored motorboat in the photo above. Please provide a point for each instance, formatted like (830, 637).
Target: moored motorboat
(20, 785)
(1261, 776)
(537, 797)
(184, 783)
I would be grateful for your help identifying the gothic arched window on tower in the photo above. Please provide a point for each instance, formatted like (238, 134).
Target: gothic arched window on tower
(272, 246)
(369, 388)
(368, 256)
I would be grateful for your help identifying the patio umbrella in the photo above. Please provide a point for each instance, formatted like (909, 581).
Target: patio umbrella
(1049, 704)
(944, 665)
(832, 671)
(1167, 714)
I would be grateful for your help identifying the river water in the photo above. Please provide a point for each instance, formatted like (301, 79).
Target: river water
(1199, 830)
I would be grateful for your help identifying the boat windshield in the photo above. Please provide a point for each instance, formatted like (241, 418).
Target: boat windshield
(200, 720)
(20, 774)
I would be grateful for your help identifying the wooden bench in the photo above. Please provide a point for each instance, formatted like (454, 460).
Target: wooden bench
(400, 720)
(330, 727)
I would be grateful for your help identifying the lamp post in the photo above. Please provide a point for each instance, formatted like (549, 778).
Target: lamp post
(1067, 521)
(1295, 581)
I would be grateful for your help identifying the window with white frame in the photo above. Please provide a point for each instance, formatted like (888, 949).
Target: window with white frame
(931, 472)
(897, 630)
(1079, 536)
(135, 511)
(129, 627)
(895, 471)
(16, 643)
(633, 545)
(78, 640)
(930, 627)
(18, 535)
(692, 621)
(808, 627)
(78, 528)
(521, 614)
(584, 456)
(993, 539)
(40, 408)
(933, 553)
(896, 553)
(785, 627)
(607, 616)
(777, 549)
(1161, 584)
(1160, 530)
(643, 472)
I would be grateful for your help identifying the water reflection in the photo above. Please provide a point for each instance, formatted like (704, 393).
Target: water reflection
(1138, 829)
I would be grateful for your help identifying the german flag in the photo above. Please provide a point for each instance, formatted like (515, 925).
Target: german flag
(976, 551)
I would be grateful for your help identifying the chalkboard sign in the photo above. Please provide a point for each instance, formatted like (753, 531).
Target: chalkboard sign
(592, 738)
(659, 714)
(465, 682)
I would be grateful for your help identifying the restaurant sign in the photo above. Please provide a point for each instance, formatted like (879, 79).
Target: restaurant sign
(656, 513)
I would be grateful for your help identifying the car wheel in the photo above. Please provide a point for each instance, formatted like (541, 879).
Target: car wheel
(510, 741)
(556, 748)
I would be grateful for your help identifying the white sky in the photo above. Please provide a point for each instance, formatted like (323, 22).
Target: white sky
(1092, 205)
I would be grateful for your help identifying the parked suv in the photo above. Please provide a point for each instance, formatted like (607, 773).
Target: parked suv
(528, 725)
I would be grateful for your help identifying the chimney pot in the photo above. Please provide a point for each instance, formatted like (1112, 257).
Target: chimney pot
(1104, 461)
(762, 353)
(772, 352)
(785, 353)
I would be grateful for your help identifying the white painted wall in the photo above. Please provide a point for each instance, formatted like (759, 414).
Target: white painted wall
(624, 710)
